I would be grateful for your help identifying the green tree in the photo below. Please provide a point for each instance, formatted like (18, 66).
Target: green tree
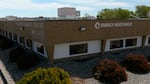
(142, 11)
(133, 14)
(114, 14)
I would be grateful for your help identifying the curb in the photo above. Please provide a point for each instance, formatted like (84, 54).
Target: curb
(6, 75)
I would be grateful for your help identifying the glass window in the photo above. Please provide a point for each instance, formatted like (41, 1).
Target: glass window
(131, 42)
(3, 32)
(10, 35)
(15, 37)
(78, 49)
(148, 40)
(29, 43)
(116, 44)
(40, 48)
(21, 40)
(6, 34)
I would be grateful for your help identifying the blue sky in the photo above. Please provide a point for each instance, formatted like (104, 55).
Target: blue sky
(48, 8)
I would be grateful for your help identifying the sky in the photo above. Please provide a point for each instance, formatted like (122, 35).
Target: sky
(48, 8)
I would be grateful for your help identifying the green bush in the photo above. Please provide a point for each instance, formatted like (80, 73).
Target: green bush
(109, 71)
(46, 76)
(136, 63)
(27, 60)
(15, 53)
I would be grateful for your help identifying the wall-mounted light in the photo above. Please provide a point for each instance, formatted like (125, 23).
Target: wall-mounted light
(21, 28)
(82, 29)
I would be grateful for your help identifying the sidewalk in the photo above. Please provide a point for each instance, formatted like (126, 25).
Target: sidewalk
(6, 74)
(92, 81)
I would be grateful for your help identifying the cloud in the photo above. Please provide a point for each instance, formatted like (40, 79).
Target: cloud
(29, 5)
(80, 4)
(99, 3)
(91, 5)
(85, 6)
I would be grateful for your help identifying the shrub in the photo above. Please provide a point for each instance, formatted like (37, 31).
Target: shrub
(4, 44)
(110, 71)
(15, 53)
(27, 60)
(46, 76)
(136, 63)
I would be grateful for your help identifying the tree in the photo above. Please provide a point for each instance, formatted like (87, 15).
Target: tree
(106, 14)
(114, 14)
(142, 11)
(133, 14)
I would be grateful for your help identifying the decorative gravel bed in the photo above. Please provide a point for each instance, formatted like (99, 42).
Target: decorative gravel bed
(82, 68)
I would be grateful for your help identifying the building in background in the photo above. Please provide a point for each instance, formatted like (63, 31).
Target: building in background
(68, 13)
(11, 17)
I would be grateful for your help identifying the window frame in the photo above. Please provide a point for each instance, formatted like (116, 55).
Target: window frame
(84, 45)
(130, 45)
(118, 47)
(38, 46)
(21, 38)
(124, 43)
(27, 45)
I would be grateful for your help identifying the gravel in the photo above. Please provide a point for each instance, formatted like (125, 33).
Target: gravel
(82, 68)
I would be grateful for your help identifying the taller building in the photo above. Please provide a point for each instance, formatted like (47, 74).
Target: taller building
(68, 13)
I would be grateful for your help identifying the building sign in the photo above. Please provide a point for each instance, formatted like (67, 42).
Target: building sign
(29, 24)
(108, 25)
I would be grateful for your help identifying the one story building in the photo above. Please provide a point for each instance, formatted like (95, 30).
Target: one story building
(57, 39)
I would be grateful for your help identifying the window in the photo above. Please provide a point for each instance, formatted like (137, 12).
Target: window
(131, 42)
(148, 40)
(40, 48)
(116, 44)
(78, 49)
(29, 43)
(10, 35)
(15, 37)
(6, 34)
(21, 40)
(3, 32)
(0, 31)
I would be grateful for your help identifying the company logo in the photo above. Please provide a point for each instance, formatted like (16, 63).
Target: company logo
(99, 25)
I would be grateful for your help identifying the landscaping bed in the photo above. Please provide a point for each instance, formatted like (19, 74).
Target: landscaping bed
(82, 69)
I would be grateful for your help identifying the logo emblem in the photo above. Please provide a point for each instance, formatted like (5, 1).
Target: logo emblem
(97, 25)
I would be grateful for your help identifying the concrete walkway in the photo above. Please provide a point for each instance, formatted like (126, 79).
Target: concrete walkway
(92, 81)
(6, 74)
